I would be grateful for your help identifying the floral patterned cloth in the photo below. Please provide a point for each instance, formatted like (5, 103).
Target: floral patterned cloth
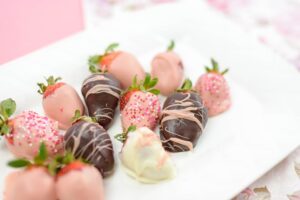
(275, 23)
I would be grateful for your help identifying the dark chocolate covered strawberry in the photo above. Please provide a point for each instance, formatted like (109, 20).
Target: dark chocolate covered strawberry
(183, 119)
(101, 92)
(88, 140)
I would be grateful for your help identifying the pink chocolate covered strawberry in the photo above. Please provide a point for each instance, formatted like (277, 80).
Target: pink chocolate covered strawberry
(26, 131)
(77, 181)
(35, 182)
(60, 101)
(214, 90)
(140, 105)
(122, 65)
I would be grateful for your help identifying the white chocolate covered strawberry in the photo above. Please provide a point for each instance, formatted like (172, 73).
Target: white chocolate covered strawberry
(60, 101)
(25, 132)
(214, 90)
(140, 105)
(143, 156)
(122, 65)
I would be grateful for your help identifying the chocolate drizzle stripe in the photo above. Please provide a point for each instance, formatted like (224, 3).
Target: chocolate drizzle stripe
(188, 144)
(95, 78)
(184, 113)
(100, 88)
(77, 139)
(104, 115)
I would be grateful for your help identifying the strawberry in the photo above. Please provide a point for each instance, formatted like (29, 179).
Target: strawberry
(26, 131)
(123, 65)
(70, 173)
(140, 105)
(60, 101)
(125, 98)
(95, 145)
(35, 175)
(168, 68)
(183, 119)
(214, 90)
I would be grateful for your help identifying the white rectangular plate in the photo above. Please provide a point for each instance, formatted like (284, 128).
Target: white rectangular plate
(236, 148)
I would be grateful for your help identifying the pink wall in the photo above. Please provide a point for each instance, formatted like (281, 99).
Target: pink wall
(26, 25)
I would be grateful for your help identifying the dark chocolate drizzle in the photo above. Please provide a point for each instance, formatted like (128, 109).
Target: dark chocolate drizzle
(91, 142)
(182, 122)
(101, 93)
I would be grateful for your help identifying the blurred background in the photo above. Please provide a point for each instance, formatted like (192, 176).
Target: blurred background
(28, 25)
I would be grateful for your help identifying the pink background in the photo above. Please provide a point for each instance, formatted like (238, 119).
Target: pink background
(27, 25)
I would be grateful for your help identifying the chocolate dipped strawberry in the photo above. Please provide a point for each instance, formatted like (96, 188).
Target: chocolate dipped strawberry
(168, 68)
(77, 180)
(60, 101)
(88, 140)
(143, 156)
(25, 132)
(123, 65)
(101, 92)
(35, 182)
(214, 90)
(140, 105)
(183, 119)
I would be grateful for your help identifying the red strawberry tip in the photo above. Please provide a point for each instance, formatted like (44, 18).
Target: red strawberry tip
(99, 63)
(50, 86)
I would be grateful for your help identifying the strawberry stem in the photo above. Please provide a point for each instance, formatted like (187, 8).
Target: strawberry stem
(123, 136)
(186, 86)
(171, 46)
(78, 117)
(39, 159)
(50, 81)
(215, 68)
(146, 85)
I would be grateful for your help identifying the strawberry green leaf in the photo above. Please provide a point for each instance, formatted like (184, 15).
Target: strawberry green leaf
(225, 71)
(111, 48)
(171, 46)
(77, 116)
(120, 137)
(215, 65)
(52, 167)
(123, 136)
(19, 163)
(147, 80)
(154, 91)
(186, 86)
(153, 82)
(42, 155)
(215, 68)
(94, 63)
(51, 80)
(4, 129)
(68, 158)
(7, 107)
(131, 128)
